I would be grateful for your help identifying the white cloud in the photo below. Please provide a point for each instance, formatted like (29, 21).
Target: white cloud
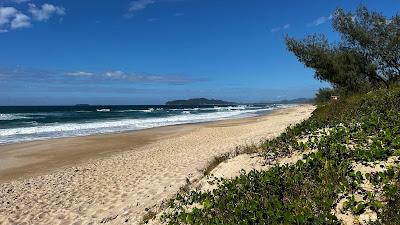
(145, 78)
(45, 12)
(115, 74)
(139, 5)
(320, 20)
(6, 14)
(20, 21)
(80, 74)
(81, 77)
(284, 27)
(12, 18)
(179, 14)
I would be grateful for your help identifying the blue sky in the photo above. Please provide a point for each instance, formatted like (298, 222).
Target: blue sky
(150, 51)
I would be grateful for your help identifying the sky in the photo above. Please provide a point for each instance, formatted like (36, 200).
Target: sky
(150, 51)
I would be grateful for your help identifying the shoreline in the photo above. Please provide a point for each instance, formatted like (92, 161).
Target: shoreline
(11, 167)
(109, 132)
(118, 178)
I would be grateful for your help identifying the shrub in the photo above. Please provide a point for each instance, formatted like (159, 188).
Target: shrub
(306, 192)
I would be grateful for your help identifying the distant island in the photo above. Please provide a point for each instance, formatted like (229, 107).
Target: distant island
(200, 101)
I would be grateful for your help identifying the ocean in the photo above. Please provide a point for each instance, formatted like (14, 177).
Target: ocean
(28, 123)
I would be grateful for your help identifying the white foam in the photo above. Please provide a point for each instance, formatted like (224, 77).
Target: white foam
(6, 116)
(103, 110)
(229, 108)
(89, 128)
(148, 110)
(140, 110)
(191, 109)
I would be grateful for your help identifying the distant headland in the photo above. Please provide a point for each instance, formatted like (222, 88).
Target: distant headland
(205, 101)
(200, 101)
(295, 101)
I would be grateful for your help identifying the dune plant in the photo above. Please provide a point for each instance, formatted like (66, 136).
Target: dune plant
(361, 129)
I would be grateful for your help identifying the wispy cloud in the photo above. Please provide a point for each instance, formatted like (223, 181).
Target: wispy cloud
(320, 20)
(22, 74)
(139, 5)
(146, 78)
(277, 29)
(116, 74)
(79, 74)
(136, 6)
(11, 18)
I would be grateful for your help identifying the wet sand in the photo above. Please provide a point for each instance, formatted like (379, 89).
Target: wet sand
(118, 178)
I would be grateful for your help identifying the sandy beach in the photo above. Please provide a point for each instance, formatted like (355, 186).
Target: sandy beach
(118, 178)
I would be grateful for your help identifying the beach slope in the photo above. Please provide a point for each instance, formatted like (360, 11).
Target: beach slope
(119, 178)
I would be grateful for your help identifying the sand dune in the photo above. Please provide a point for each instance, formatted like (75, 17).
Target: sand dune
(125, 175)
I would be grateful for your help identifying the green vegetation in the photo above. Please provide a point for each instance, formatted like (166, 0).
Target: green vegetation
(367, 56)
(199, 101)
(351, 147)
(362, 129)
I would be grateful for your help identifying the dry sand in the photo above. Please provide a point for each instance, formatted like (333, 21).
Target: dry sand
(245, 163)
(118, 178)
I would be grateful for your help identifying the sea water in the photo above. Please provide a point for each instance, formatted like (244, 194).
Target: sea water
(28, 123)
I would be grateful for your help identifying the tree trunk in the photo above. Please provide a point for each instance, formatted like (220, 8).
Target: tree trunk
(383, 81)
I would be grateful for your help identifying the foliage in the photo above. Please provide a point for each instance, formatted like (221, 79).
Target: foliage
(374, 36)
(342, 67)
(362, 128)
(391, 212)
(367, 56)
